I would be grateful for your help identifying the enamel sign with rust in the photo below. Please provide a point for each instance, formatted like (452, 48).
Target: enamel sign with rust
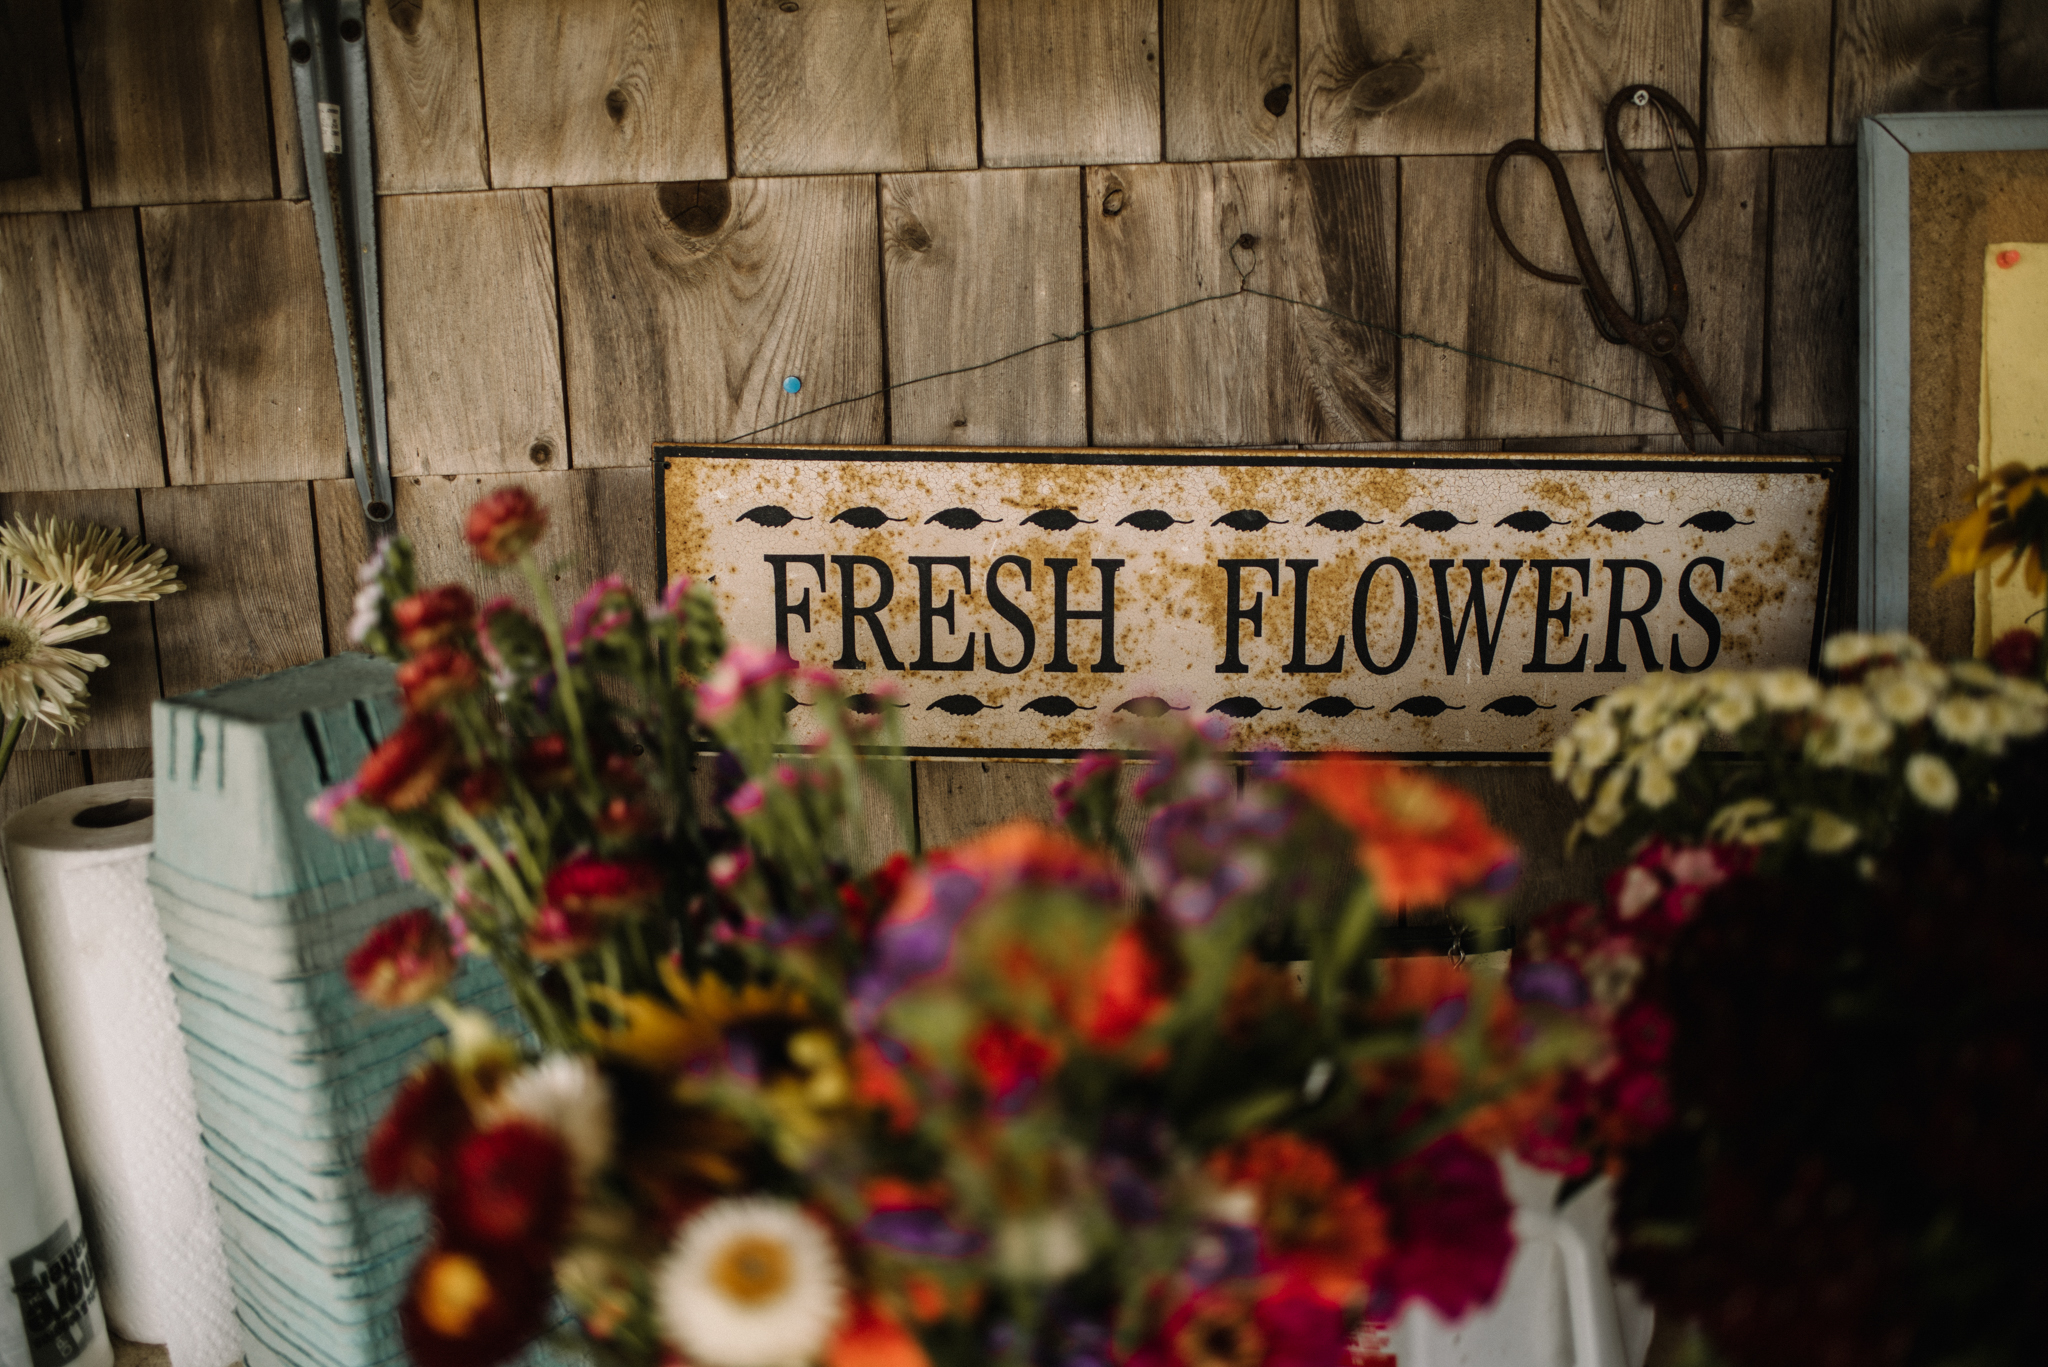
(1028, 603)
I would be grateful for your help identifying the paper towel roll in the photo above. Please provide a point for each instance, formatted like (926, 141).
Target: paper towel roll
(102, 989)
(49, 1307)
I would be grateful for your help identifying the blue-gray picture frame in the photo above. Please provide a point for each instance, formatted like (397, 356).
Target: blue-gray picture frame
(1885, 148)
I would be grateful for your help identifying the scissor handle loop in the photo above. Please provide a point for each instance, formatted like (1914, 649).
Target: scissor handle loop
(1567, 203)
(1665, 101)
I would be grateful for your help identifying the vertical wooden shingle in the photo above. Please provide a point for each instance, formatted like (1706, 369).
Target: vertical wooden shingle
(1382, 76)
(38, 129)
(1592, 48)
(284, 109)
(1904, 56)
(709, 297)
(426, 95)
(74, 355)
(251, 604)
(1459, 286)
(121, 693)
(1813, 289)
(1230, 79)
(1242, 370)
(832, 86)
(36, 774)
(473, 359)
(1767, 72)
(978, 264)
(602, 91)
(245, 363)
(599, 522)
(172, 98)
(1067, 81)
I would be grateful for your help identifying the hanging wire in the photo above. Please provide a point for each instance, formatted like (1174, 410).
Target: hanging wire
(1244, 288)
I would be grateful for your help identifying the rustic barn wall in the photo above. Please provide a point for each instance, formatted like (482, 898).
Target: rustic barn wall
(609, 222)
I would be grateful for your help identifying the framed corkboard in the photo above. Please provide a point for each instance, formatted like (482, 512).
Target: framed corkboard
(1935, 192)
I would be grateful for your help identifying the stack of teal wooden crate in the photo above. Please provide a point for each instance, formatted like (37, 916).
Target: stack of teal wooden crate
(260, 907)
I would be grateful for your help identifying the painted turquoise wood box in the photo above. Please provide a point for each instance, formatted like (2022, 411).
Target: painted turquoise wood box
(260, 907)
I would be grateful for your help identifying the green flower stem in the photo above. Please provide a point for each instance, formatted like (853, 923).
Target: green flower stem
(609, 956)
(579, 992)
(487, 850)
(565, 683)
(8, 739)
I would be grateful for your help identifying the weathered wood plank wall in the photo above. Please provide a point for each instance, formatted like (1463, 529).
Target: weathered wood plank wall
(920, 185)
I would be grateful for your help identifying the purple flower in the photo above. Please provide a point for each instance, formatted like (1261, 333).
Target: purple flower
(1222, 1252)
(1551, 981)
(921, 1231)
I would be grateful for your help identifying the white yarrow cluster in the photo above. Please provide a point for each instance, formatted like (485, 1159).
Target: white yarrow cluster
(1904, 724)
(567, 1094)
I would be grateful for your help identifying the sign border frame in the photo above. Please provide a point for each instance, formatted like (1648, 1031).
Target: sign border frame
(1829, 468)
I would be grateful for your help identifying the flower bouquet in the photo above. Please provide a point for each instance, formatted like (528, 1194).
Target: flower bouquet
(1050, 1095)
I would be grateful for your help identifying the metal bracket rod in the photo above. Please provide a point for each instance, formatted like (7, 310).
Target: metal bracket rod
(331, 84)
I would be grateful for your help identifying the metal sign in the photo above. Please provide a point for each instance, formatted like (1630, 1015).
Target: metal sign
(1026, 603)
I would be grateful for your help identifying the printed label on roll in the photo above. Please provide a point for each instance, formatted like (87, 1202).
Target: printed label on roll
(330, 130)
(54, 1283)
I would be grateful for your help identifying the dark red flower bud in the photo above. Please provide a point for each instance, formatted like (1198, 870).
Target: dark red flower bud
(409, 1149)
(546, 763)
(503, 523)
(403, 773)
(584, 885)
(480, 790)
(2017, 653)
(403, 962)
(511, 1186)
(432, 616)
(435, 675)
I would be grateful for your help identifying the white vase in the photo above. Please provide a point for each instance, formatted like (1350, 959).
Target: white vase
(50, 1312)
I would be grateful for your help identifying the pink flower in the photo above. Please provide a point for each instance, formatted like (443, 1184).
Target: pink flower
(604, 608)
(324, 808)
(742, 668)
(728, 867)
(672, 596)
(746, 799)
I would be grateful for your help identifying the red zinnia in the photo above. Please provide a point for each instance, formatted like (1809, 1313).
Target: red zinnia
(510, 1186)
(403, 962)
(435, 675)
(557, 935)
(1127, 990)
(1012, 1062)
(403, 773)
(1450, 1222)
(432, 616)
(584, 885)
(1420, 840)
(409, 1149)
(546, 763)
(503, 523)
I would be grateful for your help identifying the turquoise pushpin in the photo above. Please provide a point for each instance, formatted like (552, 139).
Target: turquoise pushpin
(792, 385)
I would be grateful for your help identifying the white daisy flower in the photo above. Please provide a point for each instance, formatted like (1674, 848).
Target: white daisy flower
(2018, 721)
(40, 679)
(1966, 721)
(1786, 690)
(750, 1282)
(1597, 741)
(1746, 823)
(1900, 697)
(1046, 1247)
(1679, 743)
(89, 561)
(1561, 759)
(1734, 703)
(1932, 782)
(1654, 787)
(567, 1094)
(1854, 647)
(1639, 890)
(1976, 674)
(1827, 833)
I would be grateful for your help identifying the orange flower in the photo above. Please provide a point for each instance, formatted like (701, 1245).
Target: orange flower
(402, 774)
(432, 616)
(1312, 1220)
(1420, 840)
(1126, 991)
(435, 675)
(503, 523)
(870, 1337)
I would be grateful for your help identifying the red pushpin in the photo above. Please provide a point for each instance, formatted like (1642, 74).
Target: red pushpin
(2008, 258)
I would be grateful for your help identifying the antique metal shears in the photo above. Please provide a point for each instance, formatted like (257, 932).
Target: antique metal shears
(1660, 336)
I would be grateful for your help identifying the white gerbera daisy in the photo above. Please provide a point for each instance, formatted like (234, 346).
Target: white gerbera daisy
(41, 680)
(1786, 690)
(750, 1282)
(1679, 743)
(1654, 787)
(567, 1094)
(1929, 779)
(90, 561)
